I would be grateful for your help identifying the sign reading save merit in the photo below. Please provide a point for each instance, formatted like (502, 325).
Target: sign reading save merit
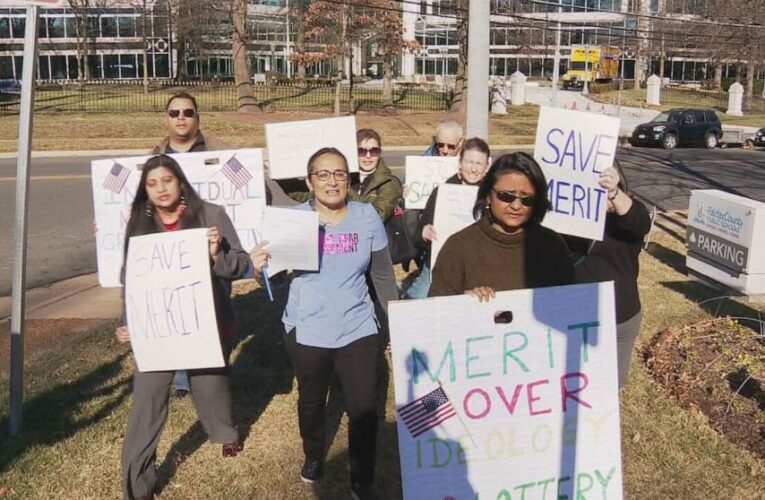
(726, 239)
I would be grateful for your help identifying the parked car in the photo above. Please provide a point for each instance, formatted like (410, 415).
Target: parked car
(10, 87)
(680, 127)
(759, 138)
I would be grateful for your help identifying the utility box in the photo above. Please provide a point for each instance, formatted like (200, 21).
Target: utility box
(726, 240)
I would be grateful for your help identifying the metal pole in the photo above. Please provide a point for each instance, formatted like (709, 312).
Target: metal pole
(556, 58)
(287, 45)
(586, 90)
(26, 115)
(621, 71)
(478, 71)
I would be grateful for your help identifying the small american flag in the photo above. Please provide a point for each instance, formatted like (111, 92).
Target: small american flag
(116, 178)
(236, 173)
(427, 412)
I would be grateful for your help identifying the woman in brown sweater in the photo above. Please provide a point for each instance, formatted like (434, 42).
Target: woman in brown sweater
(507, 248)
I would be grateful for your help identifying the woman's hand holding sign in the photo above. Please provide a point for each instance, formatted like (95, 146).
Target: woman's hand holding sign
(259, 256)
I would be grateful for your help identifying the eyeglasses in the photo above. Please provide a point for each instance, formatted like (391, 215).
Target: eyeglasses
(373, 152)
(508, 197)
(442, 145)
(175, 113)
(324, 175)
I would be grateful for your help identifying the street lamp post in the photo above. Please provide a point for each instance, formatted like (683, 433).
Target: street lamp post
(556, 57)
(585, 89)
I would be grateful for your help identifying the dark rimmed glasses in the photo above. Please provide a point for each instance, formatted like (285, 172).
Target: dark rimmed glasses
(324, 175)
(373, 152)
(188, 113)
(510, 197)
(442, 145)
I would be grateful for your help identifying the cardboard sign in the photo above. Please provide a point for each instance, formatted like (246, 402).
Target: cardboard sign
(232, 179)
(573, 148)
(423, 173)
(169, 302)
(291, 144)
(514, 398)
(454, 212)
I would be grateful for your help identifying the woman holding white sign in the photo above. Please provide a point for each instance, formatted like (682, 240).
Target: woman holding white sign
(507, 248)
(616, 258)
(473, 164)
(330, 319)
(165, 201)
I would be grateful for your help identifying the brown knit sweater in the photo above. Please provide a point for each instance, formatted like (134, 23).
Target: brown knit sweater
(479, 255)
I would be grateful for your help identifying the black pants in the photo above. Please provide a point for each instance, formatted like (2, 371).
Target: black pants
(356, 368)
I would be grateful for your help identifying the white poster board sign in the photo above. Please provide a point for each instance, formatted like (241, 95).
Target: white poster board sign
(169, 302)
(454, 212)
(423, 173)
(232, 179)
(522, 409)
(573, 148)
(291, 144)
(293, 239)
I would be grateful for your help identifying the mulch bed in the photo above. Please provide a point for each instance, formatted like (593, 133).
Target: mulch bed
(718, 368)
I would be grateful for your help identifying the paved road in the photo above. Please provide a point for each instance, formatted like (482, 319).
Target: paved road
(60, 226)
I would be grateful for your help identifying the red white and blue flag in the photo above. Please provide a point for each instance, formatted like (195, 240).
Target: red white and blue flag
(427, 412)
(236, 173)
(116, 178)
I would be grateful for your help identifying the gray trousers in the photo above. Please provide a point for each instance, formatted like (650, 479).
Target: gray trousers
(211, 395)
(626, 334)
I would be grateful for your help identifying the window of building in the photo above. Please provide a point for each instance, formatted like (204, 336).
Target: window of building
(56, 27)
(71, 27)
(94, 31)
(160, 26)
(161, 66)
(111, 66)
(109, 27)
(43, 70)
(128, 66)
(42, 30)
(5, 27)
(58, 68)
(18, 63)
(95, 66)
(6, 67)
(18, 25)
(126, 26)
(74, 73)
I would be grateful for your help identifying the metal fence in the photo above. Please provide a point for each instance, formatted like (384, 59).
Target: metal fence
(110, 96)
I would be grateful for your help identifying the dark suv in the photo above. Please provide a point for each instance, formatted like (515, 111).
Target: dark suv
(680, 126)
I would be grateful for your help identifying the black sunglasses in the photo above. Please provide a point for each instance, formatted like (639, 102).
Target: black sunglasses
(175, 113)
(441, 145)
(373, 152)
(508, 197)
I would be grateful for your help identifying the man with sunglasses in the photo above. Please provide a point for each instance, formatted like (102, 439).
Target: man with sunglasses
(447, 141)
(183, 134)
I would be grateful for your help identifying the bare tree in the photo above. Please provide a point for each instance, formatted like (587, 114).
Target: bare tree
(242, 80)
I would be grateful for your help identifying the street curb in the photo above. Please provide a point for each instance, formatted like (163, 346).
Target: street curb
(50, 294)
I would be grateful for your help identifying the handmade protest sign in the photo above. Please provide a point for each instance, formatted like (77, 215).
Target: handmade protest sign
(232, 179)
(293, 239)
(423, 173)
(169, 302)
(573, 148)
(454, 212)
(291, 144)
(513, 398)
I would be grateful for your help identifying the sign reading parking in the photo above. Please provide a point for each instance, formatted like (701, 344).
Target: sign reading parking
(718, 250)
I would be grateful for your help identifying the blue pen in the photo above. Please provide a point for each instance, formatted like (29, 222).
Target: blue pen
(267, 282)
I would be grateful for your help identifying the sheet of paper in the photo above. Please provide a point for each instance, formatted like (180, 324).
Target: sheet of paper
(291, 144)
(454, 212)
(423, 173)
(169, 302)
(293, 239)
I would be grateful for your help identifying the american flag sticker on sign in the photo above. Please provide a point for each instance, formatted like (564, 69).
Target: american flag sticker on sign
(116, 178)
(427, 412)
(236, 173)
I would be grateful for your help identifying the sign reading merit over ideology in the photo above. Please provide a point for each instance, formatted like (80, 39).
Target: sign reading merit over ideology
(232, 179)
(726, 239)
(291, 144)
(423, 174)
(454, 212)
(573, 148)
(169, 302)
(514, 398)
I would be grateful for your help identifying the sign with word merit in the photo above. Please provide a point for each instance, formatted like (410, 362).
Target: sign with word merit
(726, 239)
(169, 302)
(454, 212)
(291, 144)
(423, 173)
(573, 148)
(514, 398)
(232, 179)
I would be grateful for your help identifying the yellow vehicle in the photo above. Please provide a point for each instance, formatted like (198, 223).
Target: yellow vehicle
(602, 65)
